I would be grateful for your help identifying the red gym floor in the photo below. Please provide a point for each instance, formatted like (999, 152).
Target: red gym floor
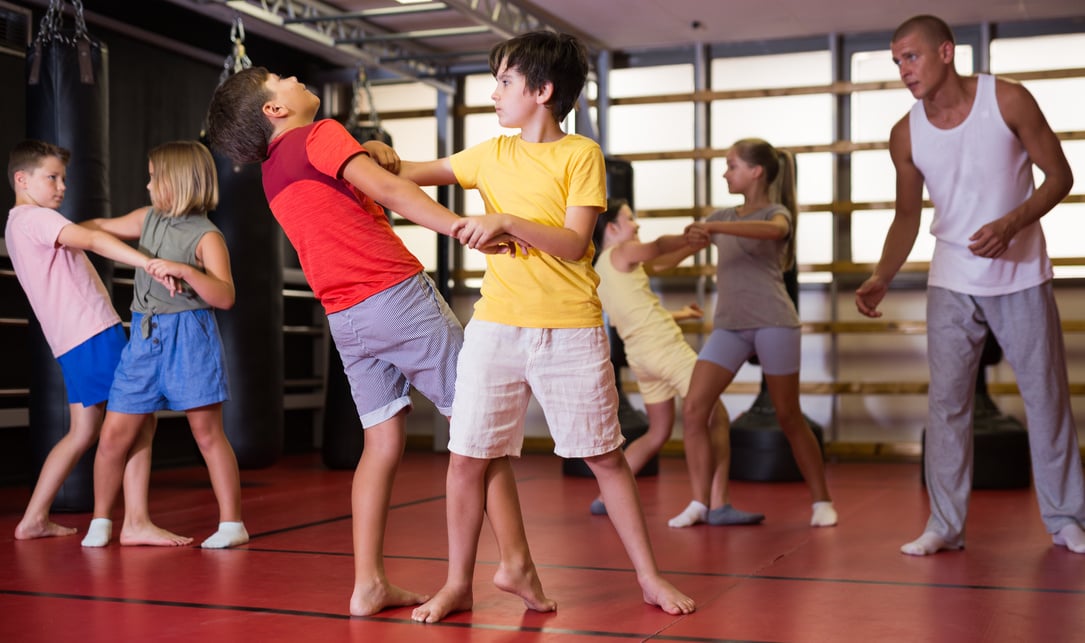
(780, 581)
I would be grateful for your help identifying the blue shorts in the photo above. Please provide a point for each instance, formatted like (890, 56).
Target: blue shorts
(402, 336)
(88, 368)
(777, 348)
(179, 367)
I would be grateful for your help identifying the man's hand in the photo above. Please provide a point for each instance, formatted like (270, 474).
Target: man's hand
(993, 239)
(869, 294)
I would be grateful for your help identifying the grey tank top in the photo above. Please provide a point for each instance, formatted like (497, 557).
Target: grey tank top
(175, 239)
(750, 290)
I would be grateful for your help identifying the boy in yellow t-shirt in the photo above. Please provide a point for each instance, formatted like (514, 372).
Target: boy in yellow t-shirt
(538, 328)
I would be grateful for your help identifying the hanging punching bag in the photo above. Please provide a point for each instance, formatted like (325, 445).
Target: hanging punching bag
(67, 103)
(252, 331)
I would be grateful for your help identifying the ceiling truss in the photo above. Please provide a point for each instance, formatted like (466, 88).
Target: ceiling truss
(353, 38)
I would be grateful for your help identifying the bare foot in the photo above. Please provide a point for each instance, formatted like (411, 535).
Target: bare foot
(29, 529)
(370, 598)
(151, 535)
(662, 594)
(524, 583)
(447, 601)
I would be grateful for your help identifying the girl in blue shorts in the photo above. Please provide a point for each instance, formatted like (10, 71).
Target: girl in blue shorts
(754, 313)
(174, 358)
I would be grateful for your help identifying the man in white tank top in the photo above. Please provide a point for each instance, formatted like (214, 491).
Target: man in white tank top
(973, 140)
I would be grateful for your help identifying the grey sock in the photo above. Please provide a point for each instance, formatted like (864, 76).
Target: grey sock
(728, 515)
(598, 508)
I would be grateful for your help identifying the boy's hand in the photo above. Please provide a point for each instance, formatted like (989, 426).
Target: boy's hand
(506, 244)
(478, 232)
(383, 154)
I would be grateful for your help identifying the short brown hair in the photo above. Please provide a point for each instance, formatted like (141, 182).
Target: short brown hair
(185, 180)
(933, 29)
(28, 155)
(542, 57)
(236, 124)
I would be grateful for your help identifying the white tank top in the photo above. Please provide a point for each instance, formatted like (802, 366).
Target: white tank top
(975, 173)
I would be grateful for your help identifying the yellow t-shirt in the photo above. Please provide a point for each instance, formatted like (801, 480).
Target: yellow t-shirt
(537, 182)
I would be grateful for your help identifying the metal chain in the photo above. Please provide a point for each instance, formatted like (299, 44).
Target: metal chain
(52, 24)
(237, 59)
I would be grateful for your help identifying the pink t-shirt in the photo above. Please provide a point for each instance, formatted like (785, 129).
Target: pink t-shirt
(346, 246)
(64, 290)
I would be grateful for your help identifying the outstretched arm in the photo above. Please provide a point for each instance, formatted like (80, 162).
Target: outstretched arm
(101, 243)
(436, 172)
(1023, 116)
(128, 226)
(399, 194)
(905, 227)
(661, 253)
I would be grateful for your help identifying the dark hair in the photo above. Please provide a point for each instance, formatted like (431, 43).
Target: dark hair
(546, 57)
(934, 30)
(605, 218)
(28, 155)
(236, 124)
(779, 167)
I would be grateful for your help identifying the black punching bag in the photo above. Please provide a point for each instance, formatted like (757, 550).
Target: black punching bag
(252, 331)
(67, 103)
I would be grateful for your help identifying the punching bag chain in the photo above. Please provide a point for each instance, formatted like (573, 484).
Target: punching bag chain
(237, 59)
(361, 85)
(52, 25)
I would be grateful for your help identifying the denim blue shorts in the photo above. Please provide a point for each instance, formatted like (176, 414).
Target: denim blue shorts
(88, 368)
(180, 366)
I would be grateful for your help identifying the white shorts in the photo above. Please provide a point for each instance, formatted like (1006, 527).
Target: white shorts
(567, 369)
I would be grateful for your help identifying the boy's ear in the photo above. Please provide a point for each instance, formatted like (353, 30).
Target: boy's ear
(272, 109)
(545, 93)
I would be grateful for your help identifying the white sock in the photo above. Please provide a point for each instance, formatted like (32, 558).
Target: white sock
(1072, 537)
(230, 534)
(98, 533)
(824, 514)
(927, 544)
(696, 512)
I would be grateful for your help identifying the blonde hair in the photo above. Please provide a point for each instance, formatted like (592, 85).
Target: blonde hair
(779, 173)
(184, 180)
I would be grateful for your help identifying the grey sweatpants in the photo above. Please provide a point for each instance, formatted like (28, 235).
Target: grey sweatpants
(1026, 325)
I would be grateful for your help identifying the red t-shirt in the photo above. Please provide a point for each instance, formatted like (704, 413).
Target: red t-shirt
(347, 248)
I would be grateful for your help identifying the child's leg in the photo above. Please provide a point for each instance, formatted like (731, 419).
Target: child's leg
(119, 433)
(623, 506)
(722, 512)
(640, 451)
(82, 433)
(516, 573)
(705, 387)
(784, 391)
(138, 528)
(466, 493)
(206, 425)
(370, 496)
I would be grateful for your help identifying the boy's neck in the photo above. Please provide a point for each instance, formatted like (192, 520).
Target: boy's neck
(542, 130)
(287, 124)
